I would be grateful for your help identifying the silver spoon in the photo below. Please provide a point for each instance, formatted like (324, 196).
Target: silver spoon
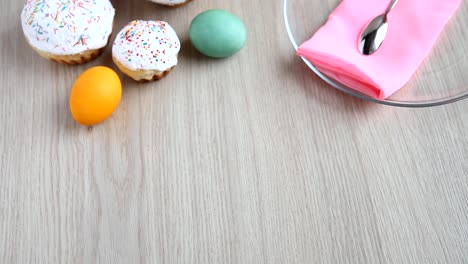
(375, 32)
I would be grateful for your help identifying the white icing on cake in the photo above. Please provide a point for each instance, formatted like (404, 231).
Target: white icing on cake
(147, 45)
(67, 27)
(169, 2)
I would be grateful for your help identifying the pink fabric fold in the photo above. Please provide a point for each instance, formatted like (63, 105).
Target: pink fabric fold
(414, 27)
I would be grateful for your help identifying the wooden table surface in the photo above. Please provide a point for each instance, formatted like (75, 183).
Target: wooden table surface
(250, 159)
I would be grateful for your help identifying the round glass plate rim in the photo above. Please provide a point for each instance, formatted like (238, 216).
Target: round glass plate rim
(415, 104)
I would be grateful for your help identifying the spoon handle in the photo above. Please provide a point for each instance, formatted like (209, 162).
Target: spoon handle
(391, 6)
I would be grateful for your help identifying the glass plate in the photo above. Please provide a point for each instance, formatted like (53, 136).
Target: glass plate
(441, 79)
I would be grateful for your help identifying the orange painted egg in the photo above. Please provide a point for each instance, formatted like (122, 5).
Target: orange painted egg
(95, 95)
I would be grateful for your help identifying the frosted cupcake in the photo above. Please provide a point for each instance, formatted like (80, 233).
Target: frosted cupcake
(146, 50)
(171, 3)
(68, 31)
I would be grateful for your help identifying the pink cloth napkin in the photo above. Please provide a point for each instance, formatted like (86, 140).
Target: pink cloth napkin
(414, 27)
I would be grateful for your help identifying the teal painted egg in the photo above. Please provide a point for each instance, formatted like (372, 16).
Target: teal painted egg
(217, 33)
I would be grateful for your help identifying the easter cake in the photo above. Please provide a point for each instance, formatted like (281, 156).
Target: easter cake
(146, 50)
(68, 31)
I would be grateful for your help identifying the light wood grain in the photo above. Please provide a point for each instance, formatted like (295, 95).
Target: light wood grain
(250, 159)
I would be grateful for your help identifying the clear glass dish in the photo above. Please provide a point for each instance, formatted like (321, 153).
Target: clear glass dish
(441, 79)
